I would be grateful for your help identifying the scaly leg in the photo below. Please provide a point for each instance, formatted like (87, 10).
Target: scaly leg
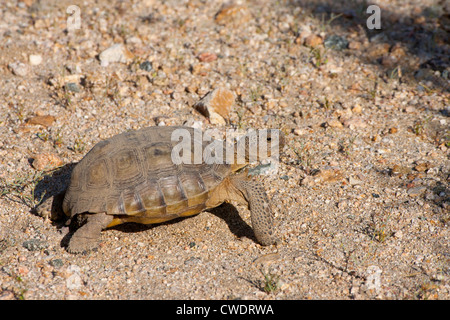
(258, 203)
(87, 236)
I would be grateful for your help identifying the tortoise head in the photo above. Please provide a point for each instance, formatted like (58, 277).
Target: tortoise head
(258, 145)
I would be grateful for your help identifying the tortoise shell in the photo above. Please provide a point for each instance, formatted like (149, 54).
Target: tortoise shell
(132, 176)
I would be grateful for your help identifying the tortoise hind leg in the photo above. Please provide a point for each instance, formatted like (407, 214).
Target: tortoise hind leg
(87, 236)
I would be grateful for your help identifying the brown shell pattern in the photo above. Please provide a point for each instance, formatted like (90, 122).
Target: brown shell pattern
(132, 174)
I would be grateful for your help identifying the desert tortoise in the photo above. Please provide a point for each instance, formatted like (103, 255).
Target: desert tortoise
(131, 178)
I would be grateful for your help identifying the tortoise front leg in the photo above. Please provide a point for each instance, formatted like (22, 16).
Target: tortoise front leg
(261, 213)
(87, 236)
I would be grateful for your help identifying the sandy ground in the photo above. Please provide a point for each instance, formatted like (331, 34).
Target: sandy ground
(361, 196)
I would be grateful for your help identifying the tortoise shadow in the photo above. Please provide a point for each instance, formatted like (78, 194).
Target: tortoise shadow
(233, 219)
(53, 184)
(225, 211)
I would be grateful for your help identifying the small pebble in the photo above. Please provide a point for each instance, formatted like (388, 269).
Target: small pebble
(146, 66)
(35, 59)
(72, 87)
(323, 176)
(45, 161)
(313, 41)
(45, 120)
(393, 130)
(232, 14)
(422, 167)
(299, 132)
(115, 53)
(398, 169)
(18, 69)
(336, 42)
(357, 108)
(267, 258)
(34, 244)
(74, 282)
(57, 263)
(353, 181)
(216, 105)
(207, 57)
(335, 123)
(398, 234)
(416, 191)
(192, 261)
(355, 123)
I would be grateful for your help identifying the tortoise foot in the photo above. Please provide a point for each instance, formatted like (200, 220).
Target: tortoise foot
(87, 237)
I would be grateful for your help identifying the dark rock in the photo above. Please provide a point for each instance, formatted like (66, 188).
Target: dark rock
(146, 66)
(336, 42)
(34, 244)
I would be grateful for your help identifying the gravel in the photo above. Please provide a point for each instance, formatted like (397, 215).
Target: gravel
(361, 192)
